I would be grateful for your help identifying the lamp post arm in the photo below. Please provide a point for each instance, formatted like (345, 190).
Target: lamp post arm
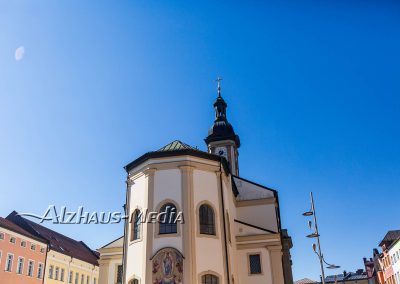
(320, 255)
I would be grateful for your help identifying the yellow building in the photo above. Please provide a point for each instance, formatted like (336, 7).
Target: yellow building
(67, 261)
(111, 270)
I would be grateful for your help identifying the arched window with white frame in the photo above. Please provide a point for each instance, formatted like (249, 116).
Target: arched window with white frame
(135, 225)
(207, 220)
(167, 224)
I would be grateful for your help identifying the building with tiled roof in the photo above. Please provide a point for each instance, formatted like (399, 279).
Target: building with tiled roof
(22, 255)
(67, 259)
(385, 272)
(359, 277)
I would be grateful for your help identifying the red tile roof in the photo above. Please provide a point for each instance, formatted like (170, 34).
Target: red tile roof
(57, 241)
(4, 223)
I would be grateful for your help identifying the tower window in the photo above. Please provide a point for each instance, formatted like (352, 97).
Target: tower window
(167, 221)
(255, 263)
(135, 232)
(209, 279)
(207, 222)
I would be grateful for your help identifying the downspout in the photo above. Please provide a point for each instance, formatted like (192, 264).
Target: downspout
(224, 221)
(45, 263)
(69, 271)
(91, 277)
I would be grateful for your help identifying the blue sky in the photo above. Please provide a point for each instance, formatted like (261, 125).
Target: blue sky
(312, 89)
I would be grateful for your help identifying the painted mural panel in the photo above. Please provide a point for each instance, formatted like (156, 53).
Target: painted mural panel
(167, 267)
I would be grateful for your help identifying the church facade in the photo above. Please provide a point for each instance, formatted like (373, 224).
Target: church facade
(212, 226)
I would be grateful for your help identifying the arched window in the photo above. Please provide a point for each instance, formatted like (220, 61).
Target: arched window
(207, 223)
(135, 232)
(209, 279)
(135, 281)
(167, 219)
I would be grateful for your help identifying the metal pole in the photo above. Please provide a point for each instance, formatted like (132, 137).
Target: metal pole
(320, 255)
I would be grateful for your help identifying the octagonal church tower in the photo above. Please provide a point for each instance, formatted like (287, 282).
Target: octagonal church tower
(194, 220)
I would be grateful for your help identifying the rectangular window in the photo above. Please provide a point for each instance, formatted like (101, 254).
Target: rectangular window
(88, 280)
(95, 281)
(23, 244)
(40, 271)
(30, 268)
(9, 262)
(41, 250)
(51, 268)
(255, 263)
(62, 274)
(33, 247)
(12, 240)
(82, 279)
(1, 236)
(76, 278)
(119, 274)
(56, 273)
(20, 266)
(71, 275)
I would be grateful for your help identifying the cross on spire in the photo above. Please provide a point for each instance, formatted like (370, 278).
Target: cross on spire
(218, 80)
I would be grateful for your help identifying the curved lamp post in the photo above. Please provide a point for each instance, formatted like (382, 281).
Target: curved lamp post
(315, 234)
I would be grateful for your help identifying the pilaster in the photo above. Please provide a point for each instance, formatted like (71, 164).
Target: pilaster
(149, 231)
(188, 232)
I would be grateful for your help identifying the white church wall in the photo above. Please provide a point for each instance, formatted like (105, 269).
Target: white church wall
(263, 216)
(135, 250)
(167, 187)
(138, 194)
(209, 250)
(243, 267)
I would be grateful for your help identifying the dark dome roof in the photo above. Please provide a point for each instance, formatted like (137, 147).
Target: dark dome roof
(221, 128)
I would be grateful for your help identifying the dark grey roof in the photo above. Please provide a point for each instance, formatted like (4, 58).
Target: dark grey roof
(390, 237)
(221, 128)
(349, 276)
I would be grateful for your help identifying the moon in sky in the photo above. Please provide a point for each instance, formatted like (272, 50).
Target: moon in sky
(19, 53)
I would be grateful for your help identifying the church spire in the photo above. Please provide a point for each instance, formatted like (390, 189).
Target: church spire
(220, 105)
(222, 139)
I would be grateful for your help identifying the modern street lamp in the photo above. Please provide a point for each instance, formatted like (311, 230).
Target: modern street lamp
(315, 234)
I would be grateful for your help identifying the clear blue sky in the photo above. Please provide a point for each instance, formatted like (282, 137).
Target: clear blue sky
(312, 88)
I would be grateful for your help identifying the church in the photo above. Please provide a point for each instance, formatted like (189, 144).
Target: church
(229, 228)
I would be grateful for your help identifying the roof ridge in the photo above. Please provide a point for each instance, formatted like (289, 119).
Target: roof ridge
(12, 226)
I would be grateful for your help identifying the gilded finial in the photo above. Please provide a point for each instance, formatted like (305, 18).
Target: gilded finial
(218, 80)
